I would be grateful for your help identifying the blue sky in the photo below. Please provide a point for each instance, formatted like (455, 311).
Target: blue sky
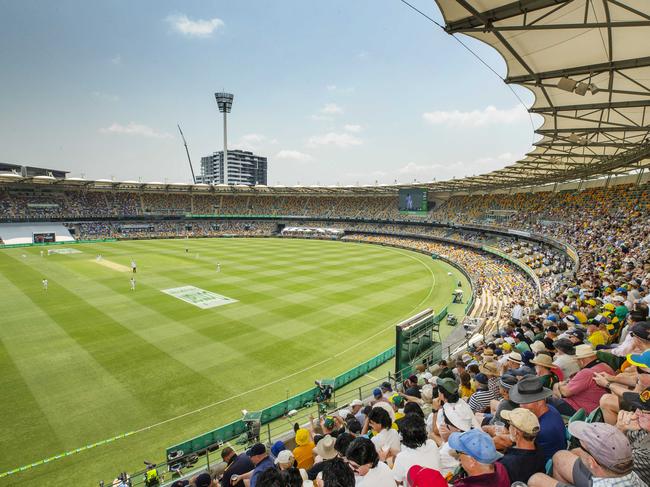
(342, 91)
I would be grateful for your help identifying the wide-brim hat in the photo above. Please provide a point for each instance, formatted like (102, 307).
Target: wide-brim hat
(515, 357)
(543, 360)
(325, 448)
(529, 389)
(489, 369)
(585, 351)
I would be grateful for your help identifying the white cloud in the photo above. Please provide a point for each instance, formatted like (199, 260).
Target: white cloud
(438, 170)
(331, 109)
(116, 59)
(353, 128)
(195, 28)
(253, 142)
(293, 155)
(331, 87)
(105, 96)
(133, 128)
(477, 118)
(332, 138)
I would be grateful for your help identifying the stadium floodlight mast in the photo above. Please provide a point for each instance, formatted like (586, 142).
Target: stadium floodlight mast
(224, 102)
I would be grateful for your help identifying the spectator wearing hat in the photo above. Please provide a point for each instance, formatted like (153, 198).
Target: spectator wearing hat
(479, 402)
(364, 461)
(490, 369)
(418, 476)
(303, 452)
(581, 390)
(544, 369)
(204, 480)
(459, 418)
(416, 448)
(550, 335)
(564, 357)
(325, 451)
(529, 394)
(478, 457)
(449, 400)
(604, 459)
(523, 459)
(262, 461)
(506, 382)
(236, 465)
(523, 366)
(356, 409)
(385, 438)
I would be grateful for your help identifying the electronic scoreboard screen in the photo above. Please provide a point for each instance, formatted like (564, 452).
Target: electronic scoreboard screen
(44, 237)
(413, 200)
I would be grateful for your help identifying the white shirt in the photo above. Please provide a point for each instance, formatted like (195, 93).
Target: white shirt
(447, 463)
(380, 476)
(387, 439)
(426, 455)
(568, 364)
(386, 407)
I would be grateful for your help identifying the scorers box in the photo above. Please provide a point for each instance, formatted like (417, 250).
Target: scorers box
(413, 201)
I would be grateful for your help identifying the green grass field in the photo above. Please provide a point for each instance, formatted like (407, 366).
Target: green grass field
(90, 359)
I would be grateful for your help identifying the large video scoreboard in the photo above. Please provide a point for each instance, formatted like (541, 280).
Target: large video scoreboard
(413, 200)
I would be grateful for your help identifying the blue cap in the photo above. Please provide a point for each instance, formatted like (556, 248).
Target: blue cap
(277, 447)
(552, 318)
(476, 444)
(377, 392)
(481, 378)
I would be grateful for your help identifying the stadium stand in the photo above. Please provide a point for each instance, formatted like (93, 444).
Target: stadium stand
(554, 389)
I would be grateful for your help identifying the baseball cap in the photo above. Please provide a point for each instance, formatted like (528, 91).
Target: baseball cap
(641, 330)
(203, 480)
(448, 385)
(285, 456)
(386, 386)
(377, 392)
(329, 422)
(605, 443)
(356, 402)
(481, 378)
(418, 476)
(638, 400)
(476, 444)
(522, 419)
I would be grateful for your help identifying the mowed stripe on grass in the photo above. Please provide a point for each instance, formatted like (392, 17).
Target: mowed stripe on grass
(103, 360)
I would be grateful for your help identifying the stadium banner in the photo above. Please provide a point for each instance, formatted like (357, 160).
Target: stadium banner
(72, 242)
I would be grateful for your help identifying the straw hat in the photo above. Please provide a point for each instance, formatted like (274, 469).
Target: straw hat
(585, 351)
(543, 360)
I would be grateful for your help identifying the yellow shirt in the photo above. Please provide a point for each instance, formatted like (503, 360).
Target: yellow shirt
(597, 338)
(304, 455)
(466, 391)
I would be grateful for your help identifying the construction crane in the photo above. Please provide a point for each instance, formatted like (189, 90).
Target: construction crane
(188, 153)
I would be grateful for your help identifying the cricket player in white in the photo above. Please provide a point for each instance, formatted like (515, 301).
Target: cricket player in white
(218, 267)
(45, 284)
(133, 266)
(133, 284)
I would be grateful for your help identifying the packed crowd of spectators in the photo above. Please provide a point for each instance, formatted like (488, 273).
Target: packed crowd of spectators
(559, 396)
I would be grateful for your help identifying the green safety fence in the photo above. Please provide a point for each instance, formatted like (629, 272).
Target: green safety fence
(71, 242)
(235, 429)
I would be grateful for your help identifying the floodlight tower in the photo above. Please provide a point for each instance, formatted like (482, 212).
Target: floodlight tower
(224, 102)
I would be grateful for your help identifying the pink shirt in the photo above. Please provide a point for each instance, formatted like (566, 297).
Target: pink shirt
(585, 393)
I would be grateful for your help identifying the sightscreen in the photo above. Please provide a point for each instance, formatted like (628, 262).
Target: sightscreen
(413, 199)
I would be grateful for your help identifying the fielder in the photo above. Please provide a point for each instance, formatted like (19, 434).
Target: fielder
(45, 285)
(133, 266)
(133, 284)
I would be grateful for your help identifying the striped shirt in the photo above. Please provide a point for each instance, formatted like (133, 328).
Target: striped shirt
(480, 400)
